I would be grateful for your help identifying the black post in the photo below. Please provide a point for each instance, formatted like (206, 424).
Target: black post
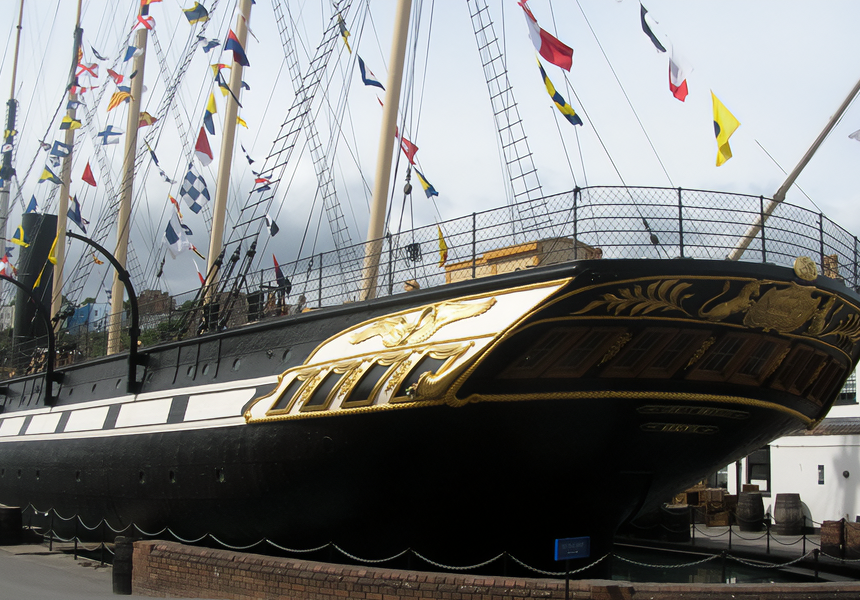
(319, 295)
(730, 535)
(681, 223)
(51, 532)
(821, 239)
(474, 244)
(102, 559)
(567, 579)
(723, 556)
(767, 532)
(854, 270)
(122, 565)
(76, 537)
(761, 214)
(390, 265)
(815, 553)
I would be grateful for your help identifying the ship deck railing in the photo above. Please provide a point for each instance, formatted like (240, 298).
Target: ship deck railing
(594, 222)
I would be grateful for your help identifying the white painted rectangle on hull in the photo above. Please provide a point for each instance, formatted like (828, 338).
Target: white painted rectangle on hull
(46, 423)
(11, 426)
(217, 405)
(87, 419)
(150, 412)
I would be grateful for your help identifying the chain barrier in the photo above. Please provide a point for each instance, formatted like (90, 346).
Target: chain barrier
(708, 535)
(285, 549)
(52, 536)
(750, 539)
(559, 573)
(766, 565)
(679, 566)
(367, 560)
(226, 545)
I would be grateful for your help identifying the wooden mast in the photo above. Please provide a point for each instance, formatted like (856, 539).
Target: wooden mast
(6, 170)
(222, 185)
(124, 219)
(65, 178)
(373, 247)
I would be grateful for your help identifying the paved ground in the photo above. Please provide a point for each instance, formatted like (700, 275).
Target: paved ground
(31, 572)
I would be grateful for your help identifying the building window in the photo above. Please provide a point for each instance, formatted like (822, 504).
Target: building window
(848, 395)
(758, 469)
(820, 474)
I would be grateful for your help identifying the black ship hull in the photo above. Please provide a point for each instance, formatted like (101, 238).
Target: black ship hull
(557, 403)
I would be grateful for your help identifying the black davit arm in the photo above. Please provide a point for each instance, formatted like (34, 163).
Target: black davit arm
(134, 359)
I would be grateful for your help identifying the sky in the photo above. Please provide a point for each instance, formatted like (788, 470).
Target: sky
(781, 68)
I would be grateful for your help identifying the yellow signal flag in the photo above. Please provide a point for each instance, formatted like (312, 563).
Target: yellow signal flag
(725, 125)
(52, 253)
(443, 248)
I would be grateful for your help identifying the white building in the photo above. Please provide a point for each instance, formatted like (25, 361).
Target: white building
(822, 465)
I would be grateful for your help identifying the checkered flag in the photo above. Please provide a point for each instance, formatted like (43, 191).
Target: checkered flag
(193, 190)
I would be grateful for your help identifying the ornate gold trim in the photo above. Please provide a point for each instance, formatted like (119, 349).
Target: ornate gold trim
(398, 331)
(429, 384)
(593, 395)
(701, 351)
(561, 283)
(339, 368)
(770, 371)
(805, 268)
(619, 343)
(698, 411)
(679, 428)
(660, 295)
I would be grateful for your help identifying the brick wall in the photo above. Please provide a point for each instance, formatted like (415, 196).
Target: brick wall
(168, 569)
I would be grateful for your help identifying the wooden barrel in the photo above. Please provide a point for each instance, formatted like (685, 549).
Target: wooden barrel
(11, 526)
(750, 514)
(676, 522)
(788, 515)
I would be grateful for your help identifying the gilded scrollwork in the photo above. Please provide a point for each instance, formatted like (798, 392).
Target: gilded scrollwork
(847, 332)
(620, 341)
(399, 329)
(783, 309)
(760, 304)
(659, 296)
(743, 301)
(775, 364)
(701, 351)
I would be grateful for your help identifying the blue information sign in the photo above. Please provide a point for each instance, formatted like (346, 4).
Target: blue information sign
(578, 547)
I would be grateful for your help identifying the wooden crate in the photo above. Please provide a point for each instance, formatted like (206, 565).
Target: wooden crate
(851, 540)
(712, 495)
(717, 519)
(831, 538)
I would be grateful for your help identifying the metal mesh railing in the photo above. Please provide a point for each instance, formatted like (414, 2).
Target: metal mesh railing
(596, 222)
